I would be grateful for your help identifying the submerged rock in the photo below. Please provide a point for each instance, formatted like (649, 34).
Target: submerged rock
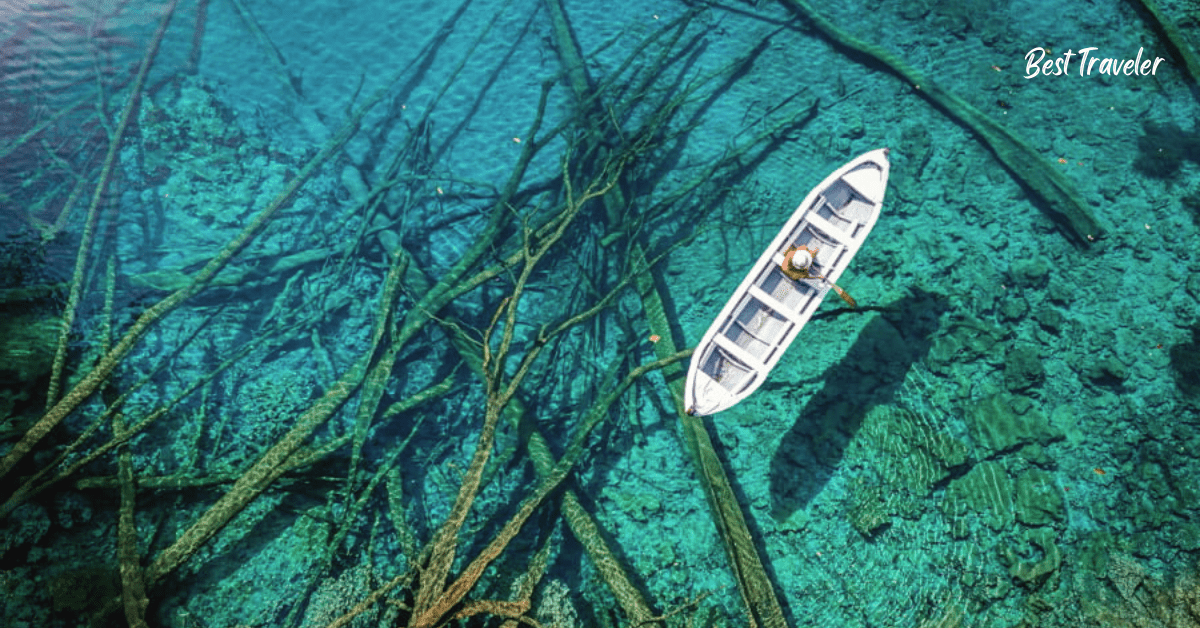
(986, 490)
(909, 454)
(1023, 369)
(1107, 371)
(1034, 560)
(1003, 422)
(1014, 307)
(1030, 272)
(1050, 319)
(965, 340)
(1038, 501)
(869, 511)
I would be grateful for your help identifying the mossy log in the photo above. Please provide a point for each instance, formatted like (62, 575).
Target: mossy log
(584, 527)
(1184, 44)
(754, 584)
(1060, 200)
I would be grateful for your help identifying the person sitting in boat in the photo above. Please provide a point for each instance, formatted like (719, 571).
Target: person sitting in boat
(798, 261)
(798, 264)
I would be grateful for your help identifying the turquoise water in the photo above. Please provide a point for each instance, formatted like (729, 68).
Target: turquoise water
(333, 286)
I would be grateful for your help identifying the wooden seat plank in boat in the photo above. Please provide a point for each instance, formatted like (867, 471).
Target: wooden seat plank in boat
(828, 230)
(743, 356)
(774, 303)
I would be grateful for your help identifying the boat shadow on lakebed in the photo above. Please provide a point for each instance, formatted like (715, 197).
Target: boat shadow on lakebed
(870, 374)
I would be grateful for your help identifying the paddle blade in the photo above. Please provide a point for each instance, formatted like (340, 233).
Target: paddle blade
(845, 296)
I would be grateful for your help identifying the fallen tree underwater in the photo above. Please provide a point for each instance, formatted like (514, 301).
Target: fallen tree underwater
(559, 261)
(625, 128)
(1059, 199)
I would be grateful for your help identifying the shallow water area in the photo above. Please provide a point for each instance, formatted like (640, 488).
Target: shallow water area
(320, 315)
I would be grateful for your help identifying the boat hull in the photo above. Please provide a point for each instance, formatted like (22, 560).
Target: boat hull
(770, 307)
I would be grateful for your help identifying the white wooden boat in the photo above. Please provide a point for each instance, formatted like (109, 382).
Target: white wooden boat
(786, 284)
